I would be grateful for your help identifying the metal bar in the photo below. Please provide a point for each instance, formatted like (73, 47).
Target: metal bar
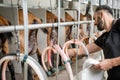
(113, 11)
(59, 13)
(78, 32)
(116, 13)
(99, 2)
(92, 24)
(25, 16)
(36, 26)
(78, 19)
(59, 3)
(119, 13)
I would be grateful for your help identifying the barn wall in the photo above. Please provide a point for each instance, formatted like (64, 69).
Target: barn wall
(35, 3)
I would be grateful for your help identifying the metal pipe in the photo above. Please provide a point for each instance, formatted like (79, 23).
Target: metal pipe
(78, 32)
(36, 26)
(92, 24)
(99, 2)
(119, 13)
(59, 3)
(116, 13)
(68, 0)
(25, 16)
(78, 19)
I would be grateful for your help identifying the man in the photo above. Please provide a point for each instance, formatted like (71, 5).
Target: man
(108, 41)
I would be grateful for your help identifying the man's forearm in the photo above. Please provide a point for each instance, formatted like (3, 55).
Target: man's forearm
(93, 48)
(115, 61)
(80, 51)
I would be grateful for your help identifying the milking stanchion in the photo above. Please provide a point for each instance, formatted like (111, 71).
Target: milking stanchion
(27, 58)
(23, 57)
(61, 52)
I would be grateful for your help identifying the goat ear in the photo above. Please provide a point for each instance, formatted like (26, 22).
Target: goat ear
(61, 20)
(35, 21)
(41, 20)
(45, 30)
(56, 20)
(9, 23)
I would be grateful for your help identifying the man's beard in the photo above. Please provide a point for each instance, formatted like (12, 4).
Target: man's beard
(100, 25)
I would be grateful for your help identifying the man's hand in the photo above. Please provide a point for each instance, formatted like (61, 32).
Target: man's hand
(104, 65)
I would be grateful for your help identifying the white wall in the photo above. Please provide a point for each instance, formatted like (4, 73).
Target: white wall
(34, 3)
(9, 1)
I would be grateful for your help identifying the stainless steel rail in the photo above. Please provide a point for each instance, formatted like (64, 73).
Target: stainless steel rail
(36, 26)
